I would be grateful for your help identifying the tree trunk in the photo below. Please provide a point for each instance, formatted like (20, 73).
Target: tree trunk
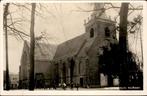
(32, 47)
(6, 46)
(123, 45)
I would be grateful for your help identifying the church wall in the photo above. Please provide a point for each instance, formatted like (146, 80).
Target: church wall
(63, 71)
(41, 67)
(101, 29)
(60, 72)
(82, 73)
(76, 72)
(93, 71)
(88, 28)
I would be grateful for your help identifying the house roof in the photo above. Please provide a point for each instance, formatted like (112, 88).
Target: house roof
(70, 47)
(43, 51)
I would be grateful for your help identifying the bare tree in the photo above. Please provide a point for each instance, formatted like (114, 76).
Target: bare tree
(6, 45)
(32, 47)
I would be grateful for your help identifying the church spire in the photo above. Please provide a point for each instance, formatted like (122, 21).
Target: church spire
(98, 11)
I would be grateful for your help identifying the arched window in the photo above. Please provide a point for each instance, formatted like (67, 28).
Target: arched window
(91, 32)
(107, 32)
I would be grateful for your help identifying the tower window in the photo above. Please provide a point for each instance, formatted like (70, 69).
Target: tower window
(91, 32)
(107, 32)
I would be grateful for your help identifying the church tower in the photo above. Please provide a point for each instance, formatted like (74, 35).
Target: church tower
(100, 32)
(99, 25)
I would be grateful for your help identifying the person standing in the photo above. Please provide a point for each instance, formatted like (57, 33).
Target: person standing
(64, 86)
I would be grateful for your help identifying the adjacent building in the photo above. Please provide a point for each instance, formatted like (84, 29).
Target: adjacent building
(44, 53)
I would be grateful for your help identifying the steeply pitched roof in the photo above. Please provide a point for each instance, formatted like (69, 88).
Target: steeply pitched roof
(79, 46)
(43, 51)
(86, 47)
(70, 47)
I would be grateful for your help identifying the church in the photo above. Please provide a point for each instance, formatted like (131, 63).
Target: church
(77, 60)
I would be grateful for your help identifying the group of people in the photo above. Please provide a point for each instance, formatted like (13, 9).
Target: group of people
(64, 86)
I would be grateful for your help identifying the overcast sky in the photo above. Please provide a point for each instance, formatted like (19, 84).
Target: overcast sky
(59, 21)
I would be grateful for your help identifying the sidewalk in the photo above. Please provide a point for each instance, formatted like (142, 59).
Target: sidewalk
(80, 89)
(74, 89)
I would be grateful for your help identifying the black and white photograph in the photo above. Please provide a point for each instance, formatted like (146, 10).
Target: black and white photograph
(73, 46)
(73, 95)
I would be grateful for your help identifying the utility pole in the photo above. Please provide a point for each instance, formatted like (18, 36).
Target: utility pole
(32, 47)
(123, 46)
(6, 46)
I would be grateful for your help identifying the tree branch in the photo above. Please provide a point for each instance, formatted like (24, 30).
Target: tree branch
(112, 6)
(18, 31)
